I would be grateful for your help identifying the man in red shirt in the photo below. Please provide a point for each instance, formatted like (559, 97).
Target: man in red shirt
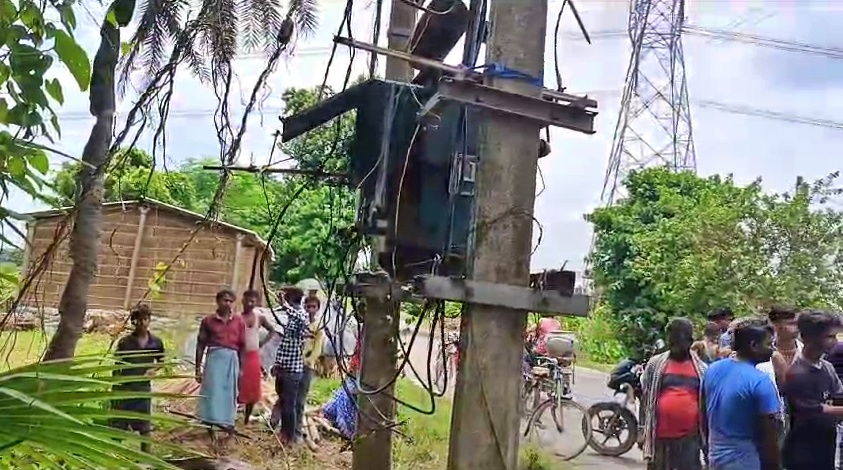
(671, 408)
(220, 344)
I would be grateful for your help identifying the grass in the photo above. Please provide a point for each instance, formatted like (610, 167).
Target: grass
(18, 348)
(584, 361)
(425, 446)
(428, 431)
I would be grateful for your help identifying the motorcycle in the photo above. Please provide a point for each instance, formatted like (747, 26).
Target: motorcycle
(614, 418)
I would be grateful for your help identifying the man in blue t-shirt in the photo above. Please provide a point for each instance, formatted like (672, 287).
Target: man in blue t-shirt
(742, 404)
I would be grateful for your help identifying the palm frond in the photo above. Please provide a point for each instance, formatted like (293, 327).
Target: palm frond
(260, 19)
(160, 23)
(218, 28)
(305, 14)
(55, 415)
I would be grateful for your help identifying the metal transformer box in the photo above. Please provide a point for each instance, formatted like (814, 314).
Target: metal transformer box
(425, 186)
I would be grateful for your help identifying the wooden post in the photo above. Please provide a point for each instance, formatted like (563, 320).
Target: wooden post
(373, 449)
(485, 423)
(27, 249)
(133, 267)
(238, 259)
(402, 19)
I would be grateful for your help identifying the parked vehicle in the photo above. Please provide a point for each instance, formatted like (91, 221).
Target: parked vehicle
(615, 423)
(550, 416)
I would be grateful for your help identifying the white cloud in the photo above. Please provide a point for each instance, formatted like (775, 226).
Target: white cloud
(727, 72)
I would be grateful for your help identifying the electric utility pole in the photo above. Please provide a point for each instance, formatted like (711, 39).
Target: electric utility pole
(485, 423)
(376, 412)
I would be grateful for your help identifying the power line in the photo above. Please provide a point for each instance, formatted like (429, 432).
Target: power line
(718, 105)
(767, 114)
(757, 40)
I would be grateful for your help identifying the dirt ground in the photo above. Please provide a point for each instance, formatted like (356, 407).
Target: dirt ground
(256, 444)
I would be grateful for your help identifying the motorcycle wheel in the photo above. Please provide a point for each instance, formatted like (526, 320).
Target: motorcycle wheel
(612, 419)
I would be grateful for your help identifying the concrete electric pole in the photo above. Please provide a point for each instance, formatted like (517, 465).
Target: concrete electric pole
(376, 412)
(485, 423)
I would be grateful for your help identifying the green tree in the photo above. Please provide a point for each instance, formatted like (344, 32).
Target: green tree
(133, 179)
(208, 41)
(310, 240)
(680, 244)
(325, 148)
(32, 36)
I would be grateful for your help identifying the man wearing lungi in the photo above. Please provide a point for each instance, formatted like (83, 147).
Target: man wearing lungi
(144, 349)
(220, 343)
(674, 437)
(250, 382)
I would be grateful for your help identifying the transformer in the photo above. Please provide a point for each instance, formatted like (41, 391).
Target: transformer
(415, 174)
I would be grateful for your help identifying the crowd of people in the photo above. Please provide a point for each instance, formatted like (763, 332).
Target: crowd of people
(753, 393)
(229, 366)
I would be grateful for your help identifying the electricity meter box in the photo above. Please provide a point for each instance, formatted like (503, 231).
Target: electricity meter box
(426, 185)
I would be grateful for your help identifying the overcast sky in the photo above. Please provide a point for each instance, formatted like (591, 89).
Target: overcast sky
(728, 72)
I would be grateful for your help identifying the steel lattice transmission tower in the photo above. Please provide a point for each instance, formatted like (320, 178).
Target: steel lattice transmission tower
(654, 122)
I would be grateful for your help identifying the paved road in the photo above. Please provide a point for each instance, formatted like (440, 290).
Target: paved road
(589, 387)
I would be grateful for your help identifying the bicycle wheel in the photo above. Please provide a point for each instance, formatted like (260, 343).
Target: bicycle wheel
(440, 372)
(561, 429)
(530, 398)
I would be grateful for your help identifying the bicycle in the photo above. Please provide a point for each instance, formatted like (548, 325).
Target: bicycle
(554, 378)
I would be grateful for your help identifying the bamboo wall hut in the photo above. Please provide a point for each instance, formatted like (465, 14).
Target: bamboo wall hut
(138, 239)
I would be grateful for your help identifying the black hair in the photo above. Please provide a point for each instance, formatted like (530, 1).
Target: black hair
(722, 312)
(139, 312)
(711, 330)
(293, 293)
(748, 332)
(226, 293)
(680, 324)
(814, 324)
(251, 294)
(781, 312)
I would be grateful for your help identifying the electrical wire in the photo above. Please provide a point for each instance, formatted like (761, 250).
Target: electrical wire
(753, 39)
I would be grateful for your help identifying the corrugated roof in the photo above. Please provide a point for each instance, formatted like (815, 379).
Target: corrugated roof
(161, 205)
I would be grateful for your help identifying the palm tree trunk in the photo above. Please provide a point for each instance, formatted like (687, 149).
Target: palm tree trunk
(84, 240)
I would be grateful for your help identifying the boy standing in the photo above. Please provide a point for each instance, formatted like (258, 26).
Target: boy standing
(810, 384)
(312, 351)
(142, 348)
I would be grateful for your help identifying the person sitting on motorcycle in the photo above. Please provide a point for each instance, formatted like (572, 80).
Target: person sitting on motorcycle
(670, 406)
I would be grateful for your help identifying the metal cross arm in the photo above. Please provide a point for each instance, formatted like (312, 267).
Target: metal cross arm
(461, 73)
(544, 111)
(500, 295)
